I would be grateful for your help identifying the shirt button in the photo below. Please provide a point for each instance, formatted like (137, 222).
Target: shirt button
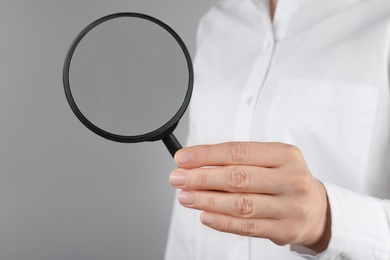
(249, 101)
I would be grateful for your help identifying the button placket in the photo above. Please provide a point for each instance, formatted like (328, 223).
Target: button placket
(247, 105)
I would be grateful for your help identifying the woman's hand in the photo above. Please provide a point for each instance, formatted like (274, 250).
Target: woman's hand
(253, 189)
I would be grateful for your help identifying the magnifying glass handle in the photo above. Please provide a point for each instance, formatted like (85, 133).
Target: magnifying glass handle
(172, 144)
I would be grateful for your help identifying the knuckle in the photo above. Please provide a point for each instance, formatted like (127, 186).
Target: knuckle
(201, 179)
(289, 236)
(304, 185)
(279, 242)
(228, 226)
(293, 152)
(293, 235)
(237, 151)
(248, 228)
(210, 202)
(238, 178)
(244, 205)
(304, 211)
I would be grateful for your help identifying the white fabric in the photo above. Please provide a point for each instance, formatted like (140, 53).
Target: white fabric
(316, 77)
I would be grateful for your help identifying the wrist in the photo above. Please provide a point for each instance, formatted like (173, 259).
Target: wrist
(322, 243)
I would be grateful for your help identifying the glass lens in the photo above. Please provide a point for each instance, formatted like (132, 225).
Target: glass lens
(128, 76)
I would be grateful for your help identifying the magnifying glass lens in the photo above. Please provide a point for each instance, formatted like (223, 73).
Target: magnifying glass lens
(128, 76)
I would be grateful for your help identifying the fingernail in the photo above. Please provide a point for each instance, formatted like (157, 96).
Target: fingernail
(183, 157)
(186, 197)
(178, 178)
(208, 219)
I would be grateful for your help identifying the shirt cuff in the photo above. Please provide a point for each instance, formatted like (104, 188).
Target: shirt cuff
(360, 229)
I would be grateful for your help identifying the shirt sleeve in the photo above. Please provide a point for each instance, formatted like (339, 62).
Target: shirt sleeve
(360, 227)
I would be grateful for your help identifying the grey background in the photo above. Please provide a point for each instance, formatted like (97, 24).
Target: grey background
(66, 193)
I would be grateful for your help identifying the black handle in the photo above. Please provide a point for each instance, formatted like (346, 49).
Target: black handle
(172, 144)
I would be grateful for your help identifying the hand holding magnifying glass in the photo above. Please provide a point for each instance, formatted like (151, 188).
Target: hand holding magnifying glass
(128, 77)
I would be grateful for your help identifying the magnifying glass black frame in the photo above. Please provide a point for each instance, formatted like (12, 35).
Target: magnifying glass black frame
(163, 133)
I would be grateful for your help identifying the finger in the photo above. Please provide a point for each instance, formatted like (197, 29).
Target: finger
(248, 206)
(237, 153)
(279, 232)
(260, 228)
(238, 179)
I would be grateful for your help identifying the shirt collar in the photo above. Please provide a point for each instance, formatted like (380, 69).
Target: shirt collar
(292, 16)
(287, 3)
(284, 13)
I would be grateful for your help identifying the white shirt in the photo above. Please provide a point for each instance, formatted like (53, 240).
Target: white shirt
(316, 77)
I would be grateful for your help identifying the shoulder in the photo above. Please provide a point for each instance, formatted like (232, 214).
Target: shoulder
(227, 12)
(228, 19)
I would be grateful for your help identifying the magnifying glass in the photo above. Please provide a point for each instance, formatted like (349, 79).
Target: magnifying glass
(128, 77)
